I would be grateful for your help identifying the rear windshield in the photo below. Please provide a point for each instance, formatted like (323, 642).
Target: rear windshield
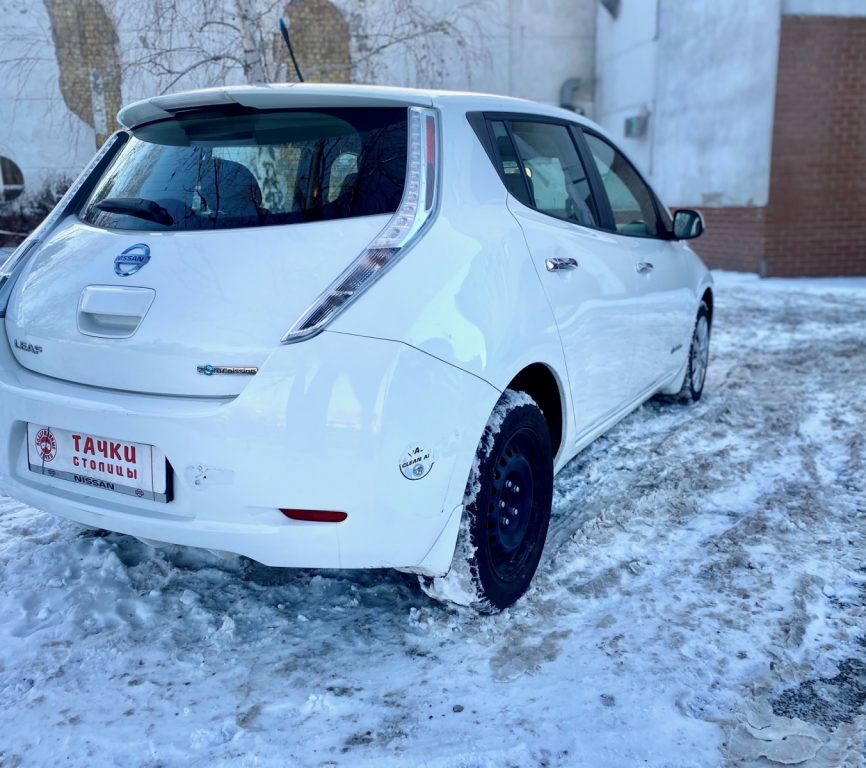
(218, 171)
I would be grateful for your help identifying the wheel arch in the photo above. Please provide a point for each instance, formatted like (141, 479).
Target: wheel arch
(541, 383)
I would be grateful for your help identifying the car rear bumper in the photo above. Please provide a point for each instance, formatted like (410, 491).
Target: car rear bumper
(324, 425)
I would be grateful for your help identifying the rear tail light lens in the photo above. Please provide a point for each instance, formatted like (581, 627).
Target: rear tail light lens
(410, 220)
(80, 187)
(314, 515)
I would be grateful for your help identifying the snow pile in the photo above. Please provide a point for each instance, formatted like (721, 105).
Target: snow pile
(700, 602)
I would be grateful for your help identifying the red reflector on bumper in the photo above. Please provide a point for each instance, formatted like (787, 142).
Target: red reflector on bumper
(314, 515)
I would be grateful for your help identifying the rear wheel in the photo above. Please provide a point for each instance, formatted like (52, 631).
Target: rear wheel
(506, 510)
(699, 355)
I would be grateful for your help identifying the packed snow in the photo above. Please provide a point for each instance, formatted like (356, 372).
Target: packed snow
(700, 602)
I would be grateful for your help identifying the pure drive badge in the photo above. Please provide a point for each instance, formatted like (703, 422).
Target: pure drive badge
(224, 370)
(416, 462)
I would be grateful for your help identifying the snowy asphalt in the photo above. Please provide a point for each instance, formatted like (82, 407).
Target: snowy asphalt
(701, 602)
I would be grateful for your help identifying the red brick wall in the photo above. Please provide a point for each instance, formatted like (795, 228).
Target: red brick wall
(816, 217)
(734, 238)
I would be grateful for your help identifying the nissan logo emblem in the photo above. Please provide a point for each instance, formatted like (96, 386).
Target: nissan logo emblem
(131, 260)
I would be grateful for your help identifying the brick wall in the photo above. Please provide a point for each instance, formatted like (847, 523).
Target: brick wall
(816, 217)
(815, 220)
(320, 37)
(85, 43)
(734, 238)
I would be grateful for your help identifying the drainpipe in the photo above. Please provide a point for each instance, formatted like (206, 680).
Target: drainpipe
(567, 91)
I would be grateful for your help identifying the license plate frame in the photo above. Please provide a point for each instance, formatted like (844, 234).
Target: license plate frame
(89, 461)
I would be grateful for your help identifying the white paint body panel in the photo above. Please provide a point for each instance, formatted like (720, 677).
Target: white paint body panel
(323, 425)
(420, 359)
(664, 310)
(595, 307)
(220, 298)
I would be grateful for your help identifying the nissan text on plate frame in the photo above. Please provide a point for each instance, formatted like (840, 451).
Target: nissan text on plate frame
(342, 327)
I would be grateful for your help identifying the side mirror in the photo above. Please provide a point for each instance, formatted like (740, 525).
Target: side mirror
(688, 224)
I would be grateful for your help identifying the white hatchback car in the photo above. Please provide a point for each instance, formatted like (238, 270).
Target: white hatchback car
(342, 327)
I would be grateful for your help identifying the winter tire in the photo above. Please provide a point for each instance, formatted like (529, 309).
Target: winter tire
(699, 354)
(506, 510)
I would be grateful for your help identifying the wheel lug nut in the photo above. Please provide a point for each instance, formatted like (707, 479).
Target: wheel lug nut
(509, 484)
(506, 521)
(517, 489)
(513, 511)
(501, 505)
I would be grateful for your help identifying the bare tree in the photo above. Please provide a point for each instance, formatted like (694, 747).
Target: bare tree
(181, 44)
(231, 41)
(171, 44)
(427, 40)
(250, 29)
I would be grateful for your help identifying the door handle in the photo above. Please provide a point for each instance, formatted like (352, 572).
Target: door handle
(644, 267)
(559, 264)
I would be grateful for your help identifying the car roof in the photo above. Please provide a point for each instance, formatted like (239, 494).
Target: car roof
(327, 95)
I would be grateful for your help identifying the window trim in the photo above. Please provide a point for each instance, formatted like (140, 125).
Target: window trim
(482, 124)
(530, 192)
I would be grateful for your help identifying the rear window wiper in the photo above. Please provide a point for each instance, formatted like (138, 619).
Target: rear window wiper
(137, 206)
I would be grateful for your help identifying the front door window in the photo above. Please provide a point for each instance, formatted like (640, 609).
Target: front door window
(634, 210)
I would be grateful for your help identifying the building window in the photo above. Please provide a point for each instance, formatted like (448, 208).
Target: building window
(11, 180)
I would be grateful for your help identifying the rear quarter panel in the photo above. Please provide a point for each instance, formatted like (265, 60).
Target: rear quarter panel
(468, 292)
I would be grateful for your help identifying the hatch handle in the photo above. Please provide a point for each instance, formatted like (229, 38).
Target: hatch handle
(112, 311)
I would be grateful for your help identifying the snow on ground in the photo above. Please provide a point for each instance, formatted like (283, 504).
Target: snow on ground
(700, 603)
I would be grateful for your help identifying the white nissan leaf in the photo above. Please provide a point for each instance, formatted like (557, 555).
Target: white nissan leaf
(342, 327)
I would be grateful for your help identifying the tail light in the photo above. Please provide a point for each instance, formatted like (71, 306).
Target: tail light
(74, 196)
(414, 214)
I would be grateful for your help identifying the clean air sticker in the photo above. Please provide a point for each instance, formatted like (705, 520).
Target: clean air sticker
(416, 462)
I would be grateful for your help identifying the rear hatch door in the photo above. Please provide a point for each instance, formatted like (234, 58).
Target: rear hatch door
(202, 244)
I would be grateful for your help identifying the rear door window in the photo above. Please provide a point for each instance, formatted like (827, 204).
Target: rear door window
(556, 176)
(214, 171)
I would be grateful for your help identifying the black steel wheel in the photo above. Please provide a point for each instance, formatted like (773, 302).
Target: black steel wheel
(508, 502)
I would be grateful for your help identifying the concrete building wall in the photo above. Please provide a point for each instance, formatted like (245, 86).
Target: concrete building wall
(812, 223)
(704, 73)
(837, 8)
(524, 48)
(78, 60)
(626, 54)
(545, 43)
(715, 88)
(756, 116)
(37, 130)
